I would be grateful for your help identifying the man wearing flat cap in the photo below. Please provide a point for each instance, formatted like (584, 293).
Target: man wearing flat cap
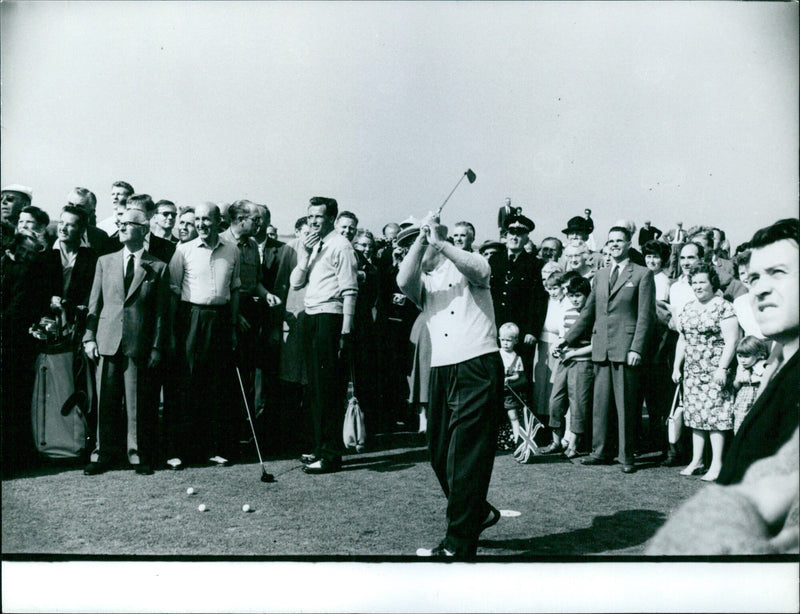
(518, 294)
(13, 199)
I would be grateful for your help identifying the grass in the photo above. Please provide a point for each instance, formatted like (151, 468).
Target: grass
(386, 503)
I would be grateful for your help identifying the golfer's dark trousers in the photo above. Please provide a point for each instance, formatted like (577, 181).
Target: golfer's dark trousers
(209, 408)
(327, 382)
(465, 407)
(246, 351)
(616, 387)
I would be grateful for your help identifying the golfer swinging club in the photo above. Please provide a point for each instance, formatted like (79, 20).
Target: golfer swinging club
(466, 385)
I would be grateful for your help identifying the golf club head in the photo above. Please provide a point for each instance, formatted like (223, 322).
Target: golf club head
(266, 477)
(471, 176)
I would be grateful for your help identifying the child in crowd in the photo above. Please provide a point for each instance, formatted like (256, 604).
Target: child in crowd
(508, 435)
(574, 378)
(544, 364)
(751, 354)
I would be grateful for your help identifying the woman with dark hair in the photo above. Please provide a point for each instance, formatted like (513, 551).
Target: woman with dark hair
(706, 347)
(656, 257)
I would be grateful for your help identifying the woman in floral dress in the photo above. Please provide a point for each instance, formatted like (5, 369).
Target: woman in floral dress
(706, 346)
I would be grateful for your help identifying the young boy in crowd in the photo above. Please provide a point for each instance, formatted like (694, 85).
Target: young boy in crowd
(514, 385)
(574, 377)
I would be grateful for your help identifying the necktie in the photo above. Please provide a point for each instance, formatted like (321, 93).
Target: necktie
(613, 278)
(129, 273)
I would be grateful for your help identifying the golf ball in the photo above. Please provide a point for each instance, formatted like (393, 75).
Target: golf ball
(245, 508)
(201, 508)
(190, 491)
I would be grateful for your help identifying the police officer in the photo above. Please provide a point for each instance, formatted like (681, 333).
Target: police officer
(518, 294)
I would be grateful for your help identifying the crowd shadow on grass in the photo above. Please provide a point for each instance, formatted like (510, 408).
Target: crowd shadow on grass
(388, 462)
(623, 529)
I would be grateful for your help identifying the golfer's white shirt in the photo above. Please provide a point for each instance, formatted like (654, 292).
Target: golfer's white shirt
(461, 315)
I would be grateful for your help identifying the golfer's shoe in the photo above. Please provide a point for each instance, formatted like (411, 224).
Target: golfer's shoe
(175, 464)
(439, 552)
(307, 459)
(322, 466)
(492, 518)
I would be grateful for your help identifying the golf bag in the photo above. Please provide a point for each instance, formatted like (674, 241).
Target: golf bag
(59, 408)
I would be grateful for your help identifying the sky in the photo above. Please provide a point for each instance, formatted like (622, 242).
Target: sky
(661, 111)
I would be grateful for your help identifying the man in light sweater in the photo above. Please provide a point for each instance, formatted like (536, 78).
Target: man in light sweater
(465, 399)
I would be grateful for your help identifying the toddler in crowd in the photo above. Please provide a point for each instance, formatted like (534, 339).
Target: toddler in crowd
(751, 354)
(514, 381)
(574, 378)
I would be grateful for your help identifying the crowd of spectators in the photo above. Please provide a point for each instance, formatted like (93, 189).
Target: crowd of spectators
(594, 341)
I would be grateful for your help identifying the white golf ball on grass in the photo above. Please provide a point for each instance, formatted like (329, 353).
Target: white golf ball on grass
(245, 508)
(190, 491)
(201, 508)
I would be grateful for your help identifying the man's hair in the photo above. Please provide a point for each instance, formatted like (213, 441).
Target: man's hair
(621, 229)
(300, 222)
(239, 209)
(743, 258)
(657, 248)
(786, 229)
(752, 346)
(390, 224)
(141, 201)
(708, 269)
(86, 195)
(349, 215)
(556, 240)
(165, 203)
(185, 209)
(556, 278)
(83, 218)
(468, 225)
(39, 216)
(330, 204)
(569, 275)
(124, 185)
(508, 328)
(264, 209)
(700, 249)
(579, 285)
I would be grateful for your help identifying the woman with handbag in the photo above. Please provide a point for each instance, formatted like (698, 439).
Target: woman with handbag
(708, 334)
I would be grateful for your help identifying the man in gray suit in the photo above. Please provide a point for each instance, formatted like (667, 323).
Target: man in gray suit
(622, 309)
(125, 328)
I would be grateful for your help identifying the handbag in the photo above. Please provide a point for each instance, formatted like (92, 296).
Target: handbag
(675, 419)
(353, 432)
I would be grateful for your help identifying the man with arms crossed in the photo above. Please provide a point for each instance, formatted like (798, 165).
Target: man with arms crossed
(465, 398)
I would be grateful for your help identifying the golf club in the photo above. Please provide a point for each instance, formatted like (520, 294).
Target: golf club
(265, 477)
(470, 175)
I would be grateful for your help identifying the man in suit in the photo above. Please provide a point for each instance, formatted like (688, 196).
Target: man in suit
(126, 330)
(518, 294)
(774, 289)
(622, 310)
(504, 213)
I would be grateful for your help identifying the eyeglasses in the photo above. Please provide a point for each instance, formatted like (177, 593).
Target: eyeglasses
(124, 225)
(168, 213)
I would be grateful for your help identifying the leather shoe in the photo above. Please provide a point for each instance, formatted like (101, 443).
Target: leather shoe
(307, 459)
(491, 519)
(571, 452)
(143, 469)
(439, 552)
(95, 469)
(594, 460)
(671, 461)
(552, 448)
(323, 466)
(628, 469)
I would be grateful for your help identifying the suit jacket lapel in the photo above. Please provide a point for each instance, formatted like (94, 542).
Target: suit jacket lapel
(622, 279)
(139, 273)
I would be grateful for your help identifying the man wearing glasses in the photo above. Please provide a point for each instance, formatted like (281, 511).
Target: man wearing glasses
(163, 222)
(126, 330)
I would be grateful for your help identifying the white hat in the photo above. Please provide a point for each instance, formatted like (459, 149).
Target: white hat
(22, 189)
